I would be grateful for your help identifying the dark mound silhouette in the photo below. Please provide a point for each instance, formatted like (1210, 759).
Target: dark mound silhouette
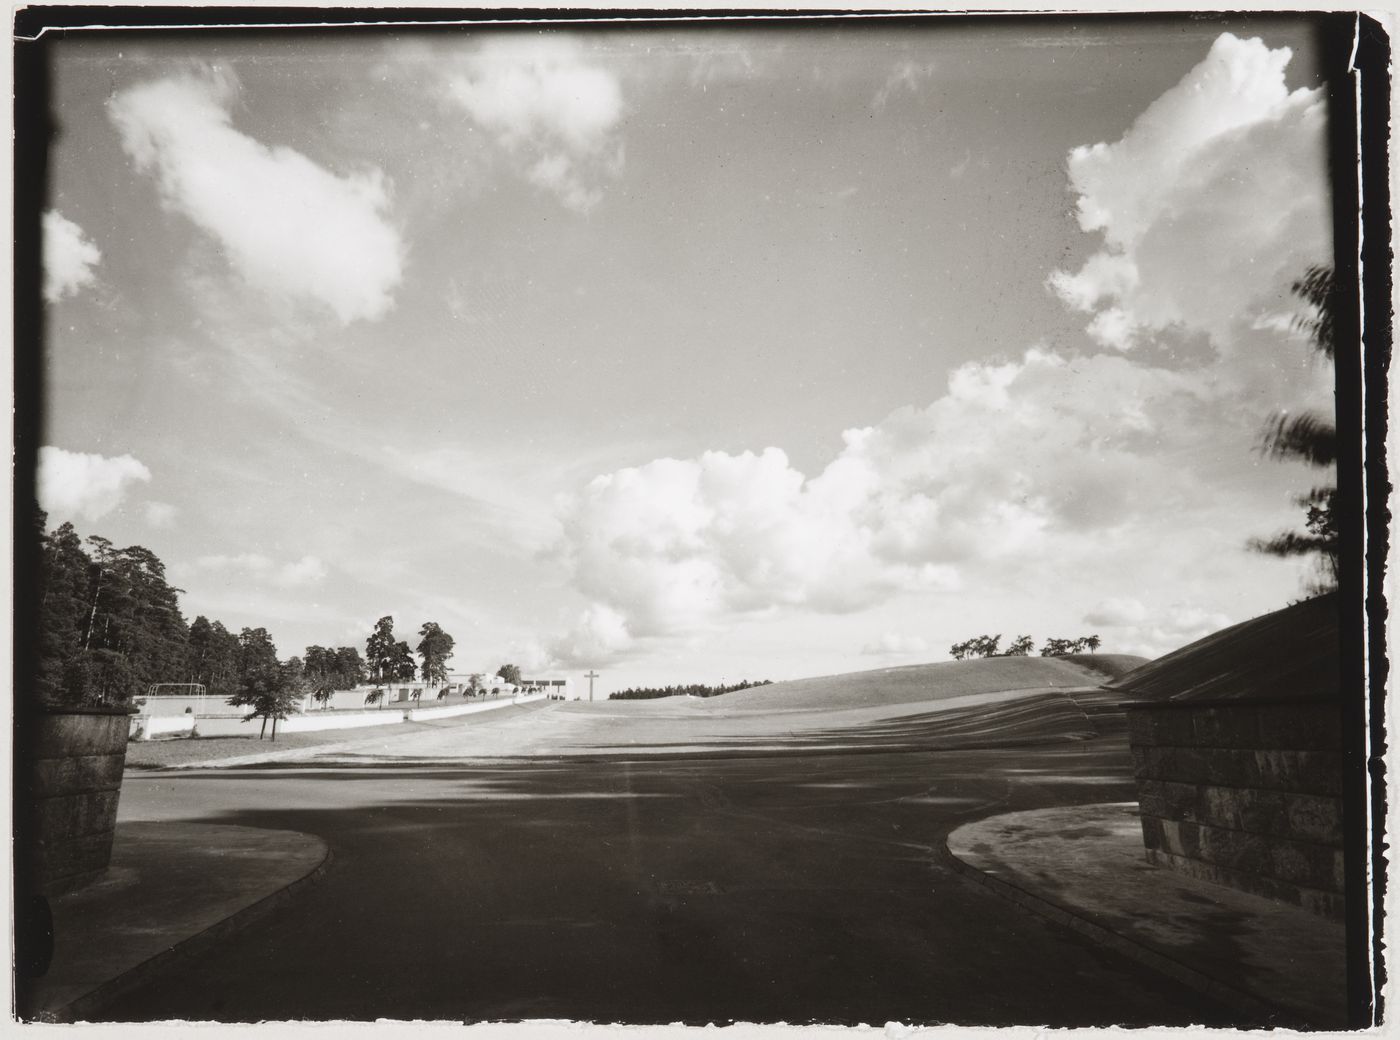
(1290, 653)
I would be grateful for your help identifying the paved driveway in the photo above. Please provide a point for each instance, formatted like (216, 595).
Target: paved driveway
(754, 886)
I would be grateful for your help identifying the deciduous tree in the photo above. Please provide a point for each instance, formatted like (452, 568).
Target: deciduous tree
(1020, 647)
(268, 688)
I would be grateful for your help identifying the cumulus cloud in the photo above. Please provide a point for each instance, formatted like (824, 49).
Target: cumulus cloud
(75, 484)
(289, 226)
(598, 637)
(306, 571)
(1012, 457)
(1029, 463)
(894, 644)
(555, 112)
(1210, 205)
(69, 257)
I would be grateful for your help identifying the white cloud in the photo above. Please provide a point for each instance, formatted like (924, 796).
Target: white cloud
(1040, 467)
(75, 484)
(547, 105)
(891, 644)
(306, 571)
(1014, 456)
(1211, 204)
(1170, 628)
(69, 257)
(160, 514)
(287, 225)
(599, 637)
(1116, 611)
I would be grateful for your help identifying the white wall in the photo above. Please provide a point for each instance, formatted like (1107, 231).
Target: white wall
(234, 726)
(150, 727)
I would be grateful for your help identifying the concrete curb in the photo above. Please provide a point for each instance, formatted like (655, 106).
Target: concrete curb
(1275, 1016)
(79, 1009)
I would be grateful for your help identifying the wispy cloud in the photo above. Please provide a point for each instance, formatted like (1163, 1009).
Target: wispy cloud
(306, 571)
(287, 225)
(905, 78)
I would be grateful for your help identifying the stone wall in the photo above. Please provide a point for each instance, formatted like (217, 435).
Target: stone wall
(1245, 794)
(74, 782)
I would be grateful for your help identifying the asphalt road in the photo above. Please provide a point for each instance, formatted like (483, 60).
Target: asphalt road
(796, 887)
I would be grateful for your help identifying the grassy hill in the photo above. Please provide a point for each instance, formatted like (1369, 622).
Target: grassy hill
(917, 683)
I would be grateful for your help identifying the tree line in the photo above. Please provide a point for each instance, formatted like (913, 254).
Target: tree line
(647, 693)
(110, 627)
(1021, 646)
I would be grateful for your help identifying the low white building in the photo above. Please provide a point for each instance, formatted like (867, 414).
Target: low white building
(555, 687)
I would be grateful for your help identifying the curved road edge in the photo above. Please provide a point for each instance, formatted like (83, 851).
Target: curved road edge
(143, 878)
(975, 842)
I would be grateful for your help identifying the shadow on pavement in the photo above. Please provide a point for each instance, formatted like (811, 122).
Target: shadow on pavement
(797, 888)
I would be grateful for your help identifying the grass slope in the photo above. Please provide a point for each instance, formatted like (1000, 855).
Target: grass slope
(916, 683)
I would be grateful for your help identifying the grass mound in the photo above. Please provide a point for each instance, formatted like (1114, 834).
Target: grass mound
(912, 684)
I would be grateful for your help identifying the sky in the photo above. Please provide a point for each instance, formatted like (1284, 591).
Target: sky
(690, 354)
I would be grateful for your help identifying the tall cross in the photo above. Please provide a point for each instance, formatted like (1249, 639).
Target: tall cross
(590, 677)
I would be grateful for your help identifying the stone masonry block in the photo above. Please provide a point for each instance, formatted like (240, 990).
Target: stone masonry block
(1302, 727)
(1304, 772)
(1314, 818)
(60, 736)
(55, 776)
(77, 814)
(85, 855)
(1326, 904)
(1314, 866)
(1226, 727)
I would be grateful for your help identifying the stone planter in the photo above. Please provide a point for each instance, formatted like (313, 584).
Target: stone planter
(74, 765)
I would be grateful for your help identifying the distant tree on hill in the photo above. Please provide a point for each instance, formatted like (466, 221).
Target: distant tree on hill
(1021, 647)
(1312, 439)
(1064, 647)
(978, 646)
(435, 649)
